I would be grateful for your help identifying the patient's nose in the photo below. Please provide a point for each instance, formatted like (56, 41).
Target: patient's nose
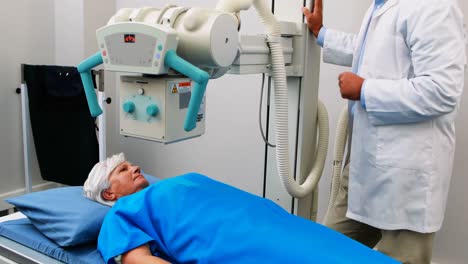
(136, 169)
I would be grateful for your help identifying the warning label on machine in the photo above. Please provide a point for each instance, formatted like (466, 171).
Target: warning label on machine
(174, 89)
(184, 87)
(180, 87)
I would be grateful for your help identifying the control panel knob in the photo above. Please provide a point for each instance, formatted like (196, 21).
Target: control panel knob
(129, 107)
(152, 110)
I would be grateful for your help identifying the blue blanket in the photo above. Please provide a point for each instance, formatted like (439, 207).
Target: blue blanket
(194, 219)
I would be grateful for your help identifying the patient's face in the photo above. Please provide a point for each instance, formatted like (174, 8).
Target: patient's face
(126, 179)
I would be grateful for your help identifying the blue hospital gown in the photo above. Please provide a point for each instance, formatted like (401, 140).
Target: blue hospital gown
(194, 219)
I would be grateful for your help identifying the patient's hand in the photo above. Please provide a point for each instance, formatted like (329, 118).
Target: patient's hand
(141, 255)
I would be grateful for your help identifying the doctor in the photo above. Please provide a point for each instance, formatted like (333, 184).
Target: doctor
(407, 77)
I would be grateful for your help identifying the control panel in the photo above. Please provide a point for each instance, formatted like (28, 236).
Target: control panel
(155, 108)
(136, 47)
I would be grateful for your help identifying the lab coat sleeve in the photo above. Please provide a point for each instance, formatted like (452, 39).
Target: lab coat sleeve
(437, 44)
(339, 47)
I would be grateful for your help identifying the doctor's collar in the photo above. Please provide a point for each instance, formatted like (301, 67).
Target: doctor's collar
(379, 3)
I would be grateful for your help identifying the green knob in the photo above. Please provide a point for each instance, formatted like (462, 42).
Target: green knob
(129, 107)
(152, 110)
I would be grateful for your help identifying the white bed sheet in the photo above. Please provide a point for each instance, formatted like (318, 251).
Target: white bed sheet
(14, 216)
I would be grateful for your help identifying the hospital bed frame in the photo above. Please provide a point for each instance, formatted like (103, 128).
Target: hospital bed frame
(12, 252)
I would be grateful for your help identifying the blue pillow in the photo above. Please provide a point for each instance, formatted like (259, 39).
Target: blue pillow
(63, 214)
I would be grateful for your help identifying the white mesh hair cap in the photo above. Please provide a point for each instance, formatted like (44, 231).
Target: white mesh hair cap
(98, 178)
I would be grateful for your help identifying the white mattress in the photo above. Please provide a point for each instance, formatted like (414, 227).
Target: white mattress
(13, 216)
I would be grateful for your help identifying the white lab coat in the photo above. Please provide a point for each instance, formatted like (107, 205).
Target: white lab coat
(404, 141)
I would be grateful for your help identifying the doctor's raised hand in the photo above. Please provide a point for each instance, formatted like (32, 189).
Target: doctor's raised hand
(350, 83)
(315, 18)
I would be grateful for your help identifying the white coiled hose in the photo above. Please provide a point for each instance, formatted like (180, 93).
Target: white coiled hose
(281, 103)
(340, 144)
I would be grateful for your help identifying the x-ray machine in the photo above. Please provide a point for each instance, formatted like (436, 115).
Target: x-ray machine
(176, 50)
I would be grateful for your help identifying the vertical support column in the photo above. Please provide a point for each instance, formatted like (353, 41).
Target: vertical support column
(102, 118)
(102, 128)
(307, 130)
(26, 139)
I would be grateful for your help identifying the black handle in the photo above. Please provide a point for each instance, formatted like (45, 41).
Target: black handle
(18, 90)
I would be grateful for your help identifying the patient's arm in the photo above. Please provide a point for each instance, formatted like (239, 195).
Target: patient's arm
(141, 255)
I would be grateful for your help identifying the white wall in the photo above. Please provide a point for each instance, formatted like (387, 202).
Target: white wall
(69, 30)
(27, 28)
(76, 23)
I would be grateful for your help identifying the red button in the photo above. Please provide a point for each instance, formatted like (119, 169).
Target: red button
(104, 53)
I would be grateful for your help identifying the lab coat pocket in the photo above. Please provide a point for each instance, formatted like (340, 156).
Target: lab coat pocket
(407, 146)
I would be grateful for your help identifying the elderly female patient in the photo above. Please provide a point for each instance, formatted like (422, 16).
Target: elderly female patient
(194, 219)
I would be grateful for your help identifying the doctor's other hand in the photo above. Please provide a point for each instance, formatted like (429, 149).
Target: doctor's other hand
(350, 85)
(314, 19)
